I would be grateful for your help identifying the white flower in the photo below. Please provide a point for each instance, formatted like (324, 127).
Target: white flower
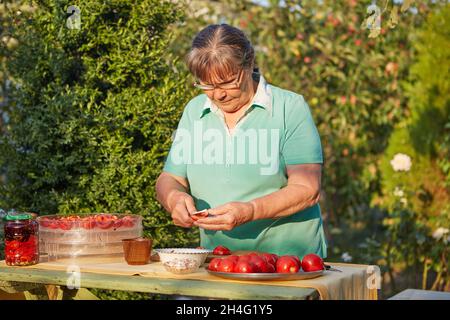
(401, 162)
(404, 201)
(398, 192)
(346, 257)
(439, 233)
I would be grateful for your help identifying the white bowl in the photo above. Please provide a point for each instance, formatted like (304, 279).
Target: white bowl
(182, 260)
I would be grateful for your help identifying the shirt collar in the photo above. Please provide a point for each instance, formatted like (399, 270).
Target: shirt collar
(262, 98)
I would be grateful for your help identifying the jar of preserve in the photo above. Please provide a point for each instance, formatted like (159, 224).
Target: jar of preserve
(21, 239)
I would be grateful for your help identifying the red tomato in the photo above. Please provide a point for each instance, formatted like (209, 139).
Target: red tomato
(270, 259)
(65, 224)
(214, 264)
(226, 265)
(53, 224)
(312, 262)
(45, 222)
(287, 264)
(221, 251)
(245, 257)
(128, 221)
(104, 221)
(259, 263)
(244, 267)
(199, 215)
(88, 223)
(297, 259)
(271, 268)
(234, 258)
(117, 223)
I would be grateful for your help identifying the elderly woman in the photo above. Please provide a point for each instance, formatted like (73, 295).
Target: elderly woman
(247, 151)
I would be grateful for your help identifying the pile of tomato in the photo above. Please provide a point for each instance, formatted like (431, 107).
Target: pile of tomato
(263, 262)
(101, 221)
(21, 243)
(19, 252)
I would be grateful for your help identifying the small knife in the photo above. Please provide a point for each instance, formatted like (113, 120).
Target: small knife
(330, 268)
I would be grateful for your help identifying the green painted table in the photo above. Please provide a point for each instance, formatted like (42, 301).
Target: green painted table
(51, 284)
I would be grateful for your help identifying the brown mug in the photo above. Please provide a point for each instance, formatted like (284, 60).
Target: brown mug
(137, 250)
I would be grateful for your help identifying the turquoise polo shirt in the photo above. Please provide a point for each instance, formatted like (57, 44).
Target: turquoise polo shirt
(249, 162)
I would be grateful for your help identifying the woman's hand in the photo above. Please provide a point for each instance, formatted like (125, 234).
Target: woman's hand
(227, 216)
(181, 207)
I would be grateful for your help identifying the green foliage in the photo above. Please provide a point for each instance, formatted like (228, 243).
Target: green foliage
(424, 181)
(92, 111)
(350, 82)
(418, 200)
(354, 83)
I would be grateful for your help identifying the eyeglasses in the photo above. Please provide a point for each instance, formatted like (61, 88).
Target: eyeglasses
(235, 84)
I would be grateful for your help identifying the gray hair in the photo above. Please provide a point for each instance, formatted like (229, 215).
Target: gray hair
(220, 49)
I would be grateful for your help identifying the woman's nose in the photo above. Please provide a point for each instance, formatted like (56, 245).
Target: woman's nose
(219, 94)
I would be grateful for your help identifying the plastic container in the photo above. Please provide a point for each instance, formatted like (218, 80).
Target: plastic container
(21, 233)
(87, 235)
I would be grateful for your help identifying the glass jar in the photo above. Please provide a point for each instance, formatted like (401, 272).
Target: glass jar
(21, 239)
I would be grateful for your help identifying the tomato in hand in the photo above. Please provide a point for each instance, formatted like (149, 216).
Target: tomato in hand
(221, 251)
(199, 214)
(312, 262)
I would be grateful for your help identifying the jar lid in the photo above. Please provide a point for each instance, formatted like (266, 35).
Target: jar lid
(18, 216)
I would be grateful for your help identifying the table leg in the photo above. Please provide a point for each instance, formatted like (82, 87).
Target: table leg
(78, 294)
(36, 291)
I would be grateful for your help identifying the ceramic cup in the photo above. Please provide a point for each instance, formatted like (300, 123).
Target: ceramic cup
(137, 250)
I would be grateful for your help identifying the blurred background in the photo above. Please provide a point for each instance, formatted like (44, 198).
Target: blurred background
(91, 91)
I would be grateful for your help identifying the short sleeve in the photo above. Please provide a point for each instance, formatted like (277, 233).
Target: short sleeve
(179, 154)
(302, 141)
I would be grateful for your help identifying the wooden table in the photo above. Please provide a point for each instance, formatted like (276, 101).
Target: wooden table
(51, 284)
(415, 294)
